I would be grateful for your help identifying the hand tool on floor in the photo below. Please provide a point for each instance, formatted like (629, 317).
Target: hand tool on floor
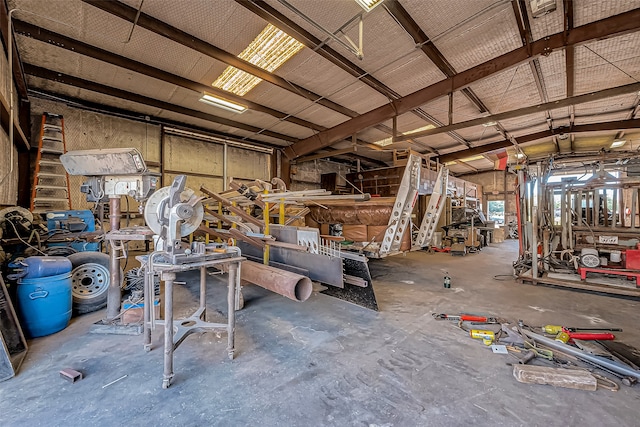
(464, 318)
(594, 336)
(487, 337)
(539, 352)
(555, 329)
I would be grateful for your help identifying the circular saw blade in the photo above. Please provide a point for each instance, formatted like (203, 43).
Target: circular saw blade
(16, 210)
(154, 221)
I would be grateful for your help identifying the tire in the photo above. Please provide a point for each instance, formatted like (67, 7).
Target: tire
(90, 280)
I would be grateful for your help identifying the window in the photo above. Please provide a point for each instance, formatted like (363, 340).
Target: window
(496, 211)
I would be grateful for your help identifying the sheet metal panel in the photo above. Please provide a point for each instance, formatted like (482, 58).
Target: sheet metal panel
(508, 90)
(585, 11)
(324, 269)
(409, 72)
(553, 68)
(607, 63)
(216, 22)
(477, 40)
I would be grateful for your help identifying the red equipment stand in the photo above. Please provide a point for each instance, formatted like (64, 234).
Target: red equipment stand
(628, 273)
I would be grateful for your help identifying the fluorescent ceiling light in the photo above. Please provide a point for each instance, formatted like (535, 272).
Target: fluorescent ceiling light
(519, 156)
(272, 48)
(618, 143)
(489, 124)
(384, 142)
(453, 162)
(472, 158)
(368, 5)
(389, 141)
(222, 103)
(427, 127)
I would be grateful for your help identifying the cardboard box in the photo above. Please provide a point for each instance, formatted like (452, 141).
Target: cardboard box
(498, 235)
(324, 229)
(356, 233)
(134, 313)
(405, 244)
(377, 232)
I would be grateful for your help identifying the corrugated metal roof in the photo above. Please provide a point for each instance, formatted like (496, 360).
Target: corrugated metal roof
(464, 34)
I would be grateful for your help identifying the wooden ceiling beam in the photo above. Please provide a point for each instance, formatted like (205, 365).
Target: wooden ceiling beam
(608, 27)
(140, 117)
(163, 29)
(593, 127)
(566, 102)
(134, 97)
(274, 17)
(404, 19)
(41, 34)
(154, 25)
(570, 51)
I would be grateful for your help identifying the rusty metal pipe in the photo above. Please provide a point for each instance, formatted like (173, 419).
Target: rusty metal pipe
(291, 285)
(113, 293)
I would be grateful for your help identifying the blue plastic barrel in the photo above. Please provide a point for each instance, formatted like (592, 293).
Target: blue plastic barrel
(45, 304)
(44, 266)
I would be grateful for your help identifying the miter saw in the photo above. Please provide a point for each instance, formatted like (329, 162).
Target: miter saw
(173, 213)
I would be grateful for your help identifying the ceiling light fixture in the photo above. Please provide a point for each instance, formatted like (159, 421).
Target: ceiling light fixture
(389, 141)
(472, 158)
(222, 103)
(384, 142)
(489, 124)
(272, 48)
(618, 143)
(519, 156)
(368, 5)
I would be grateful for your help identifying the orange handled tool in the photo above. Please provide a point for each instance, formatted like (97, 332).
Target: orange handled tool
(592, 336)
(465, 318)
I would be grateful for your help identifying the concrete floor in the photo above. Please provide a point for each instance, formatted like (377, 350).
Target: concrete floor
(327, 362)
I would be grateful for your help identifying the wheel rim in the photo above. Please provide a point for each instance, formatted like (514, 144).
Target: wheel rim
(89, 280)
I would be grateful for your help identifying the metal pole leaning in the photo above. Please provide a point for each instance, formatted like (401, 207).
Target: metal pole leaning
(168, 328)
(231, 307)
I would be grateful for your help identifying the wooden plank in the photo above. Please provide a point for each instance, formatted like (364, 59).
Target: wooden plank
(242, 214)
(558, 377)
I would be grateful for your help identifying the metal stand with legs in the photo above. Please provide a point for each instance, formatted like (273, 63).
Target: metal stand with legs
(175, 331)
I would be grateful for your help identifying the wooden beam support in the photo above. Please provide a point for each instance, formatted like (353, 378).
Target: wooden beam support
(274, 17)
(593, 127)
(574, 100)
(608, 27)
(58, 40)
(327, 154)
(139, 117)
(152, 24)
(405, 20)
(119, 93)
(570, 51)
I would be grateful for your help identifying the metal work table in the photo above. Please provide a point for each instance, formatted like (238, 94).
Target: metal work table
(175, 331)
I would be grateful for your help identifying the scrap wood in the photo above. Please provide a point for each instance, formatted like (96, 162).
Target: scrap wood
(258, 241)
(332, 238)
(213, 232)
(242, 214)
(250, 240)
(557, 377)
(249, 193)
(231, 221)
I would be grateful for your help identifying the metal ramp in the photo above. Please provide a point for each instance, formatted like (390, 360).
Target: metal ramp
(400, 219)
(434, 210)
